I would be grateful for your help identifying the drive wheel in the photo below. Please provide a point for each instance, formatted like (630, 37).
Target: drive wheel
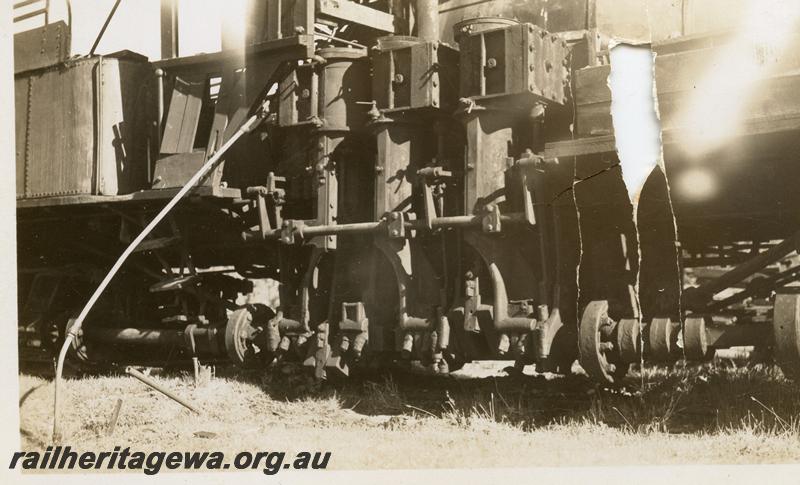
(598, 354)
(246, 335)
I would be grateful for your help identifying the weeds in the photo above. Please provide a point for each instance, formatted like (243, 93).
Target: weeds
(714, 400)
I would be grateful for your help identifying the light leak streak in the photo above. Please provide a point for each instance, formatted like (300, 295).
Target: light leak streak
(713, 113)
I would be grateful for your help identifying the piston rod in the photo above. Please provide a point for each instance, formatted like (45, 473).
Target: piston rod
(367, 227)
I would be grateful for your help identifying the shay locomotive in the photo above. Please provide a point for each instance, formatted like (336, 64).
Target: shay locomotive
(429, 182)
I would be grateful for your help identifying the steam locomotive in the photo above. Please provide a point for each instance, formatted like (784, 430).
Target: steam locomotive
(431, 183)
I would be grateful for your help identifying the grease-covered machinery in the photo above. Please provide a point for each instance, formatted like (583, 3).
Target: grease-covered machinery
(433, 184)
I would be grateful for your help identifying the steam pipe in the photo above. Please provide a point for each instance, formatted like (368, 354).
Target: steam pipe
(142, 336)
(160, 98)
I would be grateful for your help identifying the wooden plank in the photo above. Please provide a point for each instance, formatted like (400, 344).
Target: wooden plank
(297, 17)
(671, 137)
(41, 47)
(290, 47)
(624, 20)
(751, 127)
(581, 146)
(774, 98)
(591, 85)
(175, 170)
(594, 120)
(693, 42)
(768, 99)
(182, 117)
(593, 101)
(683, 64)
(356, 13)
(714, 15)
(143, 196)
(273, 20)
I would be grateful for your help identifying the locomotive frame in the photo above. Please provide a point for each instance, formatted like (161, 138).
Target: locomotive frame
(418, 200)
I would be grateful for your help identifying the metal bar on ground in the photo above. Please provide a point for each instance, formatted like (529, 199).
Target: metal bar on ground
(112, 423)
(158, 387)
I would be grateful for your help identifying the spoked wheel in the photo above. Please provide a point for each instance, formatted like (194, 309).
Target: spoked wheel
(598, 345)
(786, 331)
(246, 335)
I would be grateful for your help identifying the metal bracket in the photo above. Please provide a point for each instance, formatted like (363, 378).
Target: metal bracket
(188, 334)
(490, 223)
(269, 199)
(528, 162)
(395, 227)
(354, 321)
(322, 350)
(290, 229)
(433, 179)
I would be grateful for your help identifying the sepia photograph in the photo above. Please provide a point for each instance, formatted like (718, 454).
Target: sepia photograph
(430, 240)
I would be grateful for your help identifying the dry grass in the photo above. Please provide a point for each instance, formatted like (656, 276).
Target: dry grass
(713, 414)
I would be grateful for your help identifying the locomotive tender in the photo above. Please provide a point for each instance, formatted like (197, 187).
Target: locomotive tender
(433, 182)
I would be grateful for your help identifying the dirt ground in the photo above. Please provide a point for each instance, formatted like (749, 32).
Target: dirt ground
(715, 414)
